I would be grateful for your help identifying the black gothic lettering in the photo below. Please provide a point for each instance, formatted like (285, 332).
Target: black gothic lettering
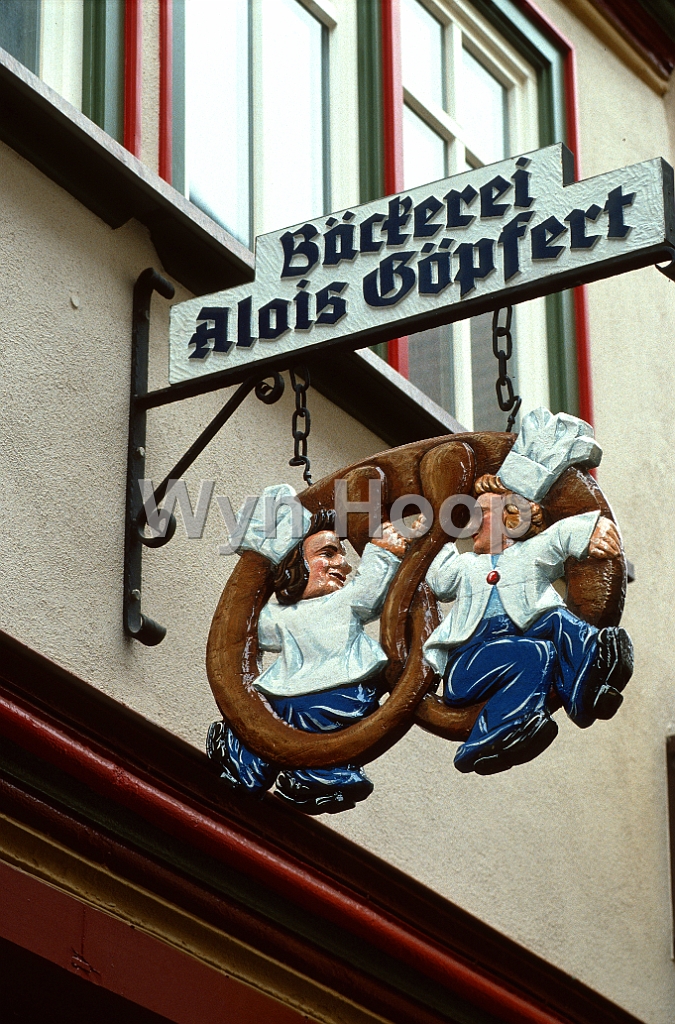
(339, 245)
(468, 272)
(511, 232)
(367, 243)
(399, 215)
(394, 266)
(424, 211)
(577, 222)
(307, 250)
(521, 179)
(454, 200)
(434, 273)
(488, 193)
(616, 201)
(266, 330)
(301, 300)
(542, 235)
(244, 337)
(203, 333)
(329, 301)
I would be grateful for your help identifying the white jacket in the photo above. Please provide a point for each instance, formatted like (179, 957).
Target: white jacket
(526, 570)
(321, 641)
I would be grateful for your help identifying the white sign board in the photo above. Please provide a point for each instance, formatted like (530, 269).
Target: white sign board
(428, 256)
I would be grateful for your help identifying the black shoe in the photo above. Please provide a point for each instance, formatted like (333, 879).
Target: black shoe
(600, 695)
(330, 803)
(319, 798)
(514, 744)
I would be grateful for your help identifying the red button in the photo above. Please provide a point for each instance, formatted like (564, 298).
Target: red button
(493, 577)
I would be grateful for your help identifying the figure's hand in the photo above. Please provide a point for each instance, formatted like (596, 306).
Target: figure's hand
(391, 540)
(605, 540)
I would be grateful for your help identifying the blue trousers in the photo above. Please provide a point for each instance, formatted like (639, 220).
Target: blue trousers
(324, 711)
(514, 670)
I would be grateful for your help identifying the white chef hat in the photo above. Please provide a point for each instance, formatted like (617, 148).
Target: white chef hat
(278, 522)
(545, 447)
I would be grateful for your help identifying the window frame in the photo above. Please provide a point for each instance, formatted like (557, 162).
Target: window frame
(553, 58)
(340, 141)
(505, 63)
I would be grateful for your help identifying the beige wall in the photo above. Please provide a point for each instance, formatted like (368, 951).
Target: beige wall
(65, 318)
(567, 855)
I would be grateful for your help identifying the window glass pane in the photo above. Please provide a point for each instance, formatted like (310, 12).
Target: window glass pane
(431, 365)
(482, 110)
(291, 154)
(217, 111)
(484, 371)
(422, 52)
(423, 151)
(20, 31)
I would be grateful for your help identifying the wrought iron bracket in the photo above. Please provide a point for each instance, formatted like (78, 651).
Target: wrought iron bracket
(136, 624)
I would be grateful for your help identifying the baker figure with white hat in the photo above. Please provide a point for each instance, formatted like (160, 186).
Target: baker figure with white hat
(508, 638)
(326, 674)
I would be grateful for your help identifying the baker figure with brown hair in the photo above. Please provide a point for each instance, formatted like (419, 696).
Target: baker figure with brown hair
(509, 640)
(326, 674)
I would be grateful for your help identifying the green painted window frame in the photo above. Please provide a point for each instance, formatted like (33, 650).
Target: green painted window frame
(548, 63)
(103, 65)
(102, 58)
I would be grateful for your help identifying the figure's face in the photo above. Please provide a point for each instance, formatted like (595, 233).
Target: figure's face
(490, 538)
(328, 566)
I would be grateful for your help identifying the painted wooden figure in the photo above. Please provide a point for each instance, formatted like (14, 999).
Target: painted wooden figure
(509, 652)
(509, 640)
(325, 676)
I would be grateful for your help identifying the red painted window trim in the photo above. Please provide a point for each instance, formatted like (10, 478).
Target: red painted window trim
(245, 852)
(132, 76)
(568, 52)
(392, 97)
(165, 89)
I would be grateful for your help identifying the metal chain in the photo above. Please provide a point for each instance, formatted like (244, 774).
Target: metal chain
(504, 387)
(300, 413)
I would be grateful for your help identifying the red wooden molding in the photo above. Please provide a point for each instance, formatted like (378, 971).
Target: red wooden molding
(309, 889)
(165, 89)
(636, 25)
(392, 101)
(132, 76)
(271, 941)
(125, 960)
(562, 43)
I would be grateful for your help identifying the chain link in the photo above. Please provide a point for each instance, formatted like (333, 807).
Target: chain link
(508, 400)
(301, 422)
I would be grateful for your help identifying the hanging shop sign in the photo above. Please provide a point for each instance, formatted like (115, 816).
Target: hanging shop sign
(500, 234)
(507, 656)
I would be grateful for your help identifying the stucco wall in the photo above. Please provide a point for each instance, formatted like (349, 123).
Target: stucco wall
(65, 318)
(567, 855)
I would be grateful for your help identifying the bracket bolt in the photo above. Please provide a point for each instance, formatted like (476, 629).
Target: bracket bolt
(141, 451)
(135, 595)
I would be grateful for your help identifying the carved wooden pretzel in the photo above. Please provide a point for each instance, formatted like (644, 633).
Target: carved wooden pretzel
(436, 468)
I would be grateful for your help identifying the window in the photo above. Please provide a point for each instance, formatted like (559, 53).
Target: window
(254, 140)
(470, 99)
(76, 47)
